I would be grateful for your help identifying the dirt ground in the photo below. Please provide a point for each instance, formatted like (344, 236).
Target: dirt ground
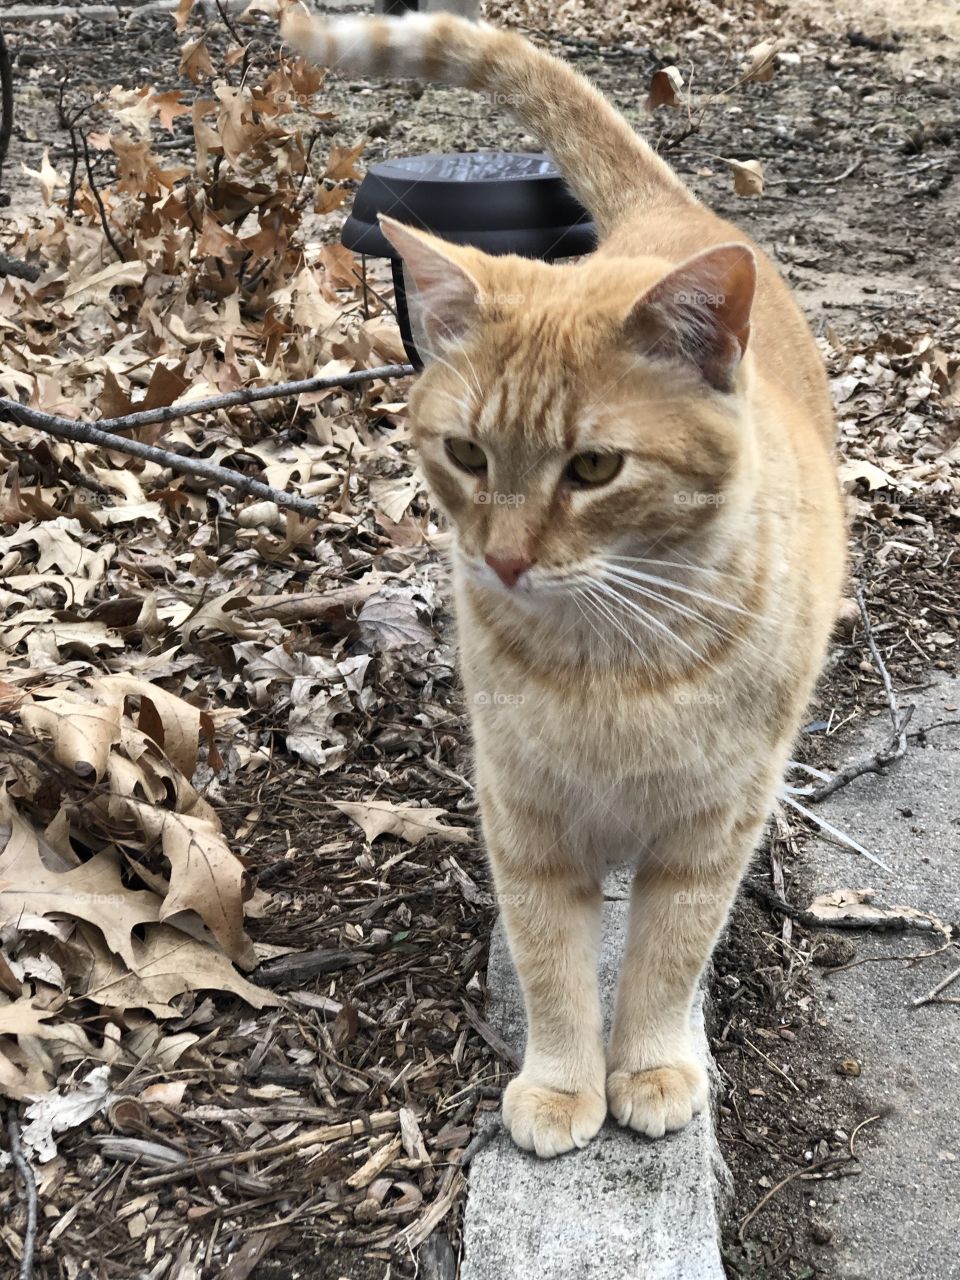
(859, 139)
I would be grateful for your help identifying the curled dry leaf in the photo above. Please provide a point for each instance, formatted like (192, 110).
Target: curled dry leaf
(178, 721)
(93, 891)
(408, 821)
(761, 62)
(666, 86)
(747, 176)
(82, 732)
(206, 877)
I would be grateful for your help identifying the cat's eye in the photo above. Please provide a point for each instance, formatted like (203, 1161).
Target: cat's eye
(593, 467)
(467, 455)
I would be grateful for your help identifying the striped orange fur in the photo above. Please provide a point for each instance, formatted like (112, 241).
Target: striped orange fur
(637, 650)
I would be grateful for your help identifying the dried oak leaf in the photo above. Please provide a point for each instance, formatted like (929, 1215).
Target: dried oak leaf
(857, 904)
(22, 1018)
(82, 731)
(174, 724)
(205, 875)
(391, 620)
(408, 821)
(665, 88)
(761, 62)
(747, 176)
(93, 891)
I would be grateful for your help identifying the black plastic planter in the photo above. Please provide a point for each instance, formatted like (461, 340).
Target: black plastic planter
(497, 201)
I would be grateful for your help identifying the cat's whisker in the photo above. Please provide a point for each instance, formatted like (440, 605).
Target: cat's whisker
(436, 356)
(607, 614)
(679, 564)
(646, 618)
(655, 580)
(676, 605)
(717, 628)
(583, 602)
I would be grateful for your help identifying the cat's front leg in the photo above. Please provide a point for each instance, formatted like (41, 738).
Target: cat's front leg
(655, 1082)
(551, 914)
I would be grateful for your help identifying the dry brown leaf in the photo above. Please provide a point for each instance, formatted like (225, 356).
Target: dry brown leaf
(205, 876)
(761, 62)
(855, 469)
(176, 725)
(47, 176)
(666, 87)
(857, 904)
(98, 287)
(408, 821)
(747, 176)
(82, 731)
(22, 1018)
(341, 163)
(93, 891)
(195, 61)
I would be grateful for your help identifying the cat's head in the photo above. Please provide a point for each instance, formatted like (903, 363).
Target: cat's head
(580, 415)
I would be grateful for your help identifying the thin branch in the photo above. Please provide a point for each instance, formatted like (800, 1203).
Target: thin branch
(22, 1167)
(102, 434)
(84, 433)
(246, 395)
(879, 924)
(941, 986)
(895, 748)
(6, 102)
(837, 1160)
(104, 220)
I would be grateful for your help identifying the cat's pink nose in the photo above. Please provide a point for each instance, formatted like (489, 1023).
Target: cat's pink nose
(508, 568)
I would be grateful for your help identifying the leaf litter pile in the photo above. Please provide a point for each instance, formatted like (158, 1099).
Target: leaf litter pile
(243, 912)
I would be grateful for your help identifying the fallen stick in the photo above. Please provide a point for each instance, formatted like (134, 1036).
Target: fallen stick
(14, 267)
(22, 1167)
(230, 399)
(312, 1137)
(897, 745)
(103, 433)
(876, 924)
(941, 986)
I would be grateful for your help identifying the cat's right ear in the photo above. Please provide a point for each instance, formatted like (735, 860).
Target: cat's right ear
(445, 301)
(700, 313)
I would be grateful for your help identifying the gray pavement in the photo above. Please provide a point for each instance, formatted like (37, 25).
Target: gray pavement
(900, 1220)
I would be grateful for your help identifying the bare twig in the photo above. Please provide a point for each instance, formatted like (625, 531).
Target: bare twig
(104, 220)
(480, 1141)
(897, 745)
(85, 433)
(941, 986)
(797, 1173)
(853, 1137)
(102, 434)
(22, 1166)
(6, 102)
(881, 924)
(231, 399)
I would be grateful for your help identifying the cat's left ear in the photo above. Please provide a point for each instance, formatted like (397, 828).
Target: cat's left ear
(700, 312)
(445, 300)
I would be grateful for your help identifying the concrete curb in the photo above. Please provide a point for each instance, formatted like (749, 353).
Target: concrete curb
(625, 1208)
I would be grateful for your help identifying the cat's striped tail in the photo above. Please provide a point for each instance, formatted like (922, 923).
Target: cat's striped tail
(611, 169)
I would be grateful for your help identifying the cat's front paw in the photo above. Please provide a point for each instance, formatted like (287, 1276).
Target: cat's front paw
(660, 1099)
(549, 1121)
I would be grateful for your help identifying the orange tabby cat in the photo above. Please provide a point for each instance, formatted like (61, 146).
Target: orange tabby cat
(635, 453)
